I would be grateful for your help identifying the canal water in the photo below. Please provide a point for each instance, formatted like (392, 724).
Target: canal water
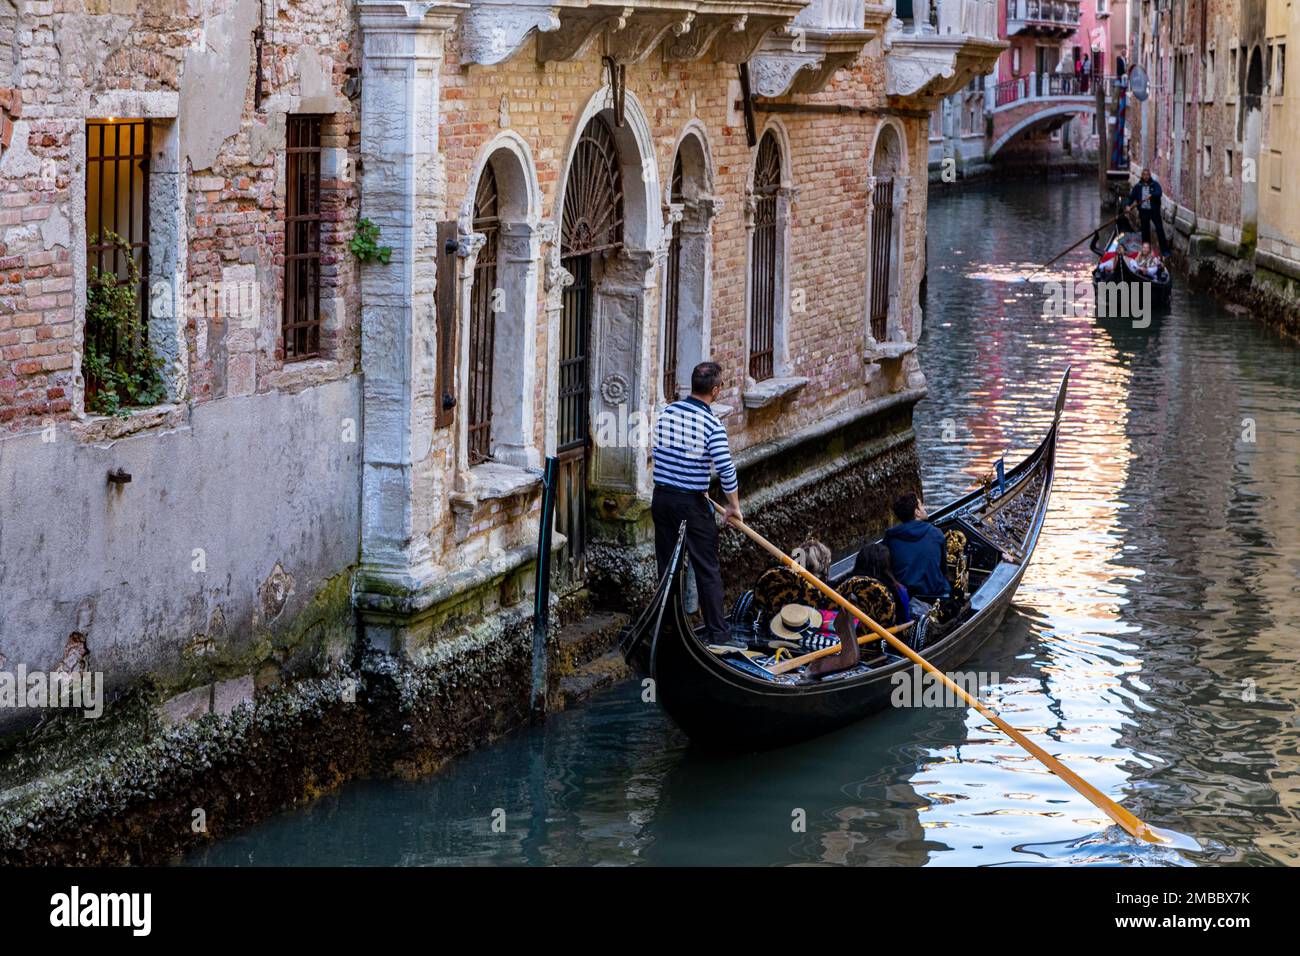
(1152, 646)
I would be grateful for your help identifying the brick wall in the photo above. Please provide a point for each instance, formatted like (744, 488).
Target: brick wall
(78, 56)
(829, 168)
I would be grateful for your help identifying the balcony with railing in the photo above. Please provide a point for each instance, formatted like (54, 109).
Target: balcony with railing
(935, 47)
(1051, 18)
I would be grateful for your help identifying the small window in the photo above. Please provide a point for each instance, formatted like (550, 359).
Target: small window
(1275, 170)
(302, 239)
(1207, 163)
(1279, 79)
(117, 252)
(1227, 164)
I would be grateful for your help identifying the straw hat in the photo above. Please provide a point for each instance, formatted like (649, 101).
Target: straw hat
(793, 619)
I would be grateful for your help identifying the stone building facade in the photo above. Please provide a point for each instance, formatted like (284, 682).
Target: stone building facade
(394, 254)
(1218, 132)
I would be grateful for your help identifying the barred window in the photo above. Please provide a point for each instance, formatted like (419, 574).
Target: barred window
(482, 319)
(763, 304)
(302, 226)
(117, 251)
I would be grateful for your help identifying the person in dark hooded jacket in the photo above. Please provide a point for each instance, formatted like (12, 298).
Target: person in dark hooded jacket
(916, 549)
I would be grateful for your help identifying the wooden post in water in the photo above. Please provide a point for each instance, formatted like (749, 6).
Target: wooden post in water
(1103, 139)
(542, 590)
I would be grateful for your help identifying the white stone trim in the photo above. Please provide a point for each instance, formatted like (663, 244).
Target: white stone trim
(519, 264)
(786, 195)
(694, 218)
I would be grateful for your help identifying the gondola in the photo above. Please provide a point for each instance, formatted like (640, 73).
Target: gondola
(1113, 272)
(726, 701)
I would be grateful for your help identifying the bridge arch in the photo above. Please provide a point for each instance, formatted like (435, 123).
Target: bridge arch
(1036, 118)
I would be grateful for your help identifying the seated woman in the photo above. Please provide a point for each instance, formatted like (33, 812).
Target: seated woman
(874, 562)
(1147, 261)
(815, 558)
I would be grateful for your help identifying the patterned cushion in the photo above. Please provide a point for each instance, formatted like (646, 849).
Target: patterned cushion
(778, 587)
(869, 595)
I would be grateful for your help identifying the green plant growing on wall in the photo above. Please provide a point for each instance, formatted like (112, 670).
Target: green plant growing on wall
(119, 367)
(365, 243)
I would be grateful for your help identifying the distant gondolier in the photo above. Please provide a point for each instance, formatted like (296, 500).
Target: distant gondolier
(690, 446)
(1146, 196)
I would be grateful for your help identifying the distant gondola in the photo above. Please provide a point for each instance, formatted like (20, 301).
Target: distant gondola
(727, 701)
(1114, 271)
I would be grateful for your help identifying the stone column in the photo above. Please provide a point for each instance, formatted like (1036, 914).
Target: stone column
(403, 192)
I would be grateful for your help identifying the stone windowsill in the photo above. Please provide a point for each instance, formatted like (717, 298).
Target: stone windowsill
(92, 427)
(772, 390)
(722, 411)
(887, 352)
(495, 481)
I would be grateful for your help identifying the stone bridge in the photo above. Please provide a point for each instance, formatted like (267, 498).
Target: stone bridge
(1033, 101)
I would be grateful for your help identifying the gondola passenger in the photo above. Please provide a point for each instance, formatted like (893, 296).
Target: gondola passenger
(874, 562)
(916, 549)
(1147, 261)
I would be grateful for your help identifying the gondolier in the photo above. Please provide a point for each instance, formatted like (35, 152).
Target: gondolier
(1146, 195)
(690, 446)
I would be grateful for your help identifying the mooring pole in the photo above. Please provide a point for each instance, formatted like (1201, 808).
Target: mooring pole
(1103, 144)
(542, 590)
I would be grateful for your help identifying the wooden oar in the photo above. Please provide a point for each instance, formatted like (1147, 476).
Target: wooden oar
(1131, 824)
(1074, 246)
(811, 656)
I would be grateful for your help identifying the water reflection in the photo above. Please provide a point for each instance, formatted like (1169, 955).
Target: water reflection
(1152, 646)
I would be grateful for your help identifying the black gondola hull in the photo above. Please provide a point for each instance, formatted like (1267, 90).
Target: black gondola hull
(721, 706)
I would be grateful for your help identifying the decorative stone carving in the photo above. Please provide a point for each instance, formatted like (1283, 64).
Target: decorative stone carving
(632, 43)
(576, 31)
(739, 43)
(492, 31)
(695, 42)
(615, 389)
(929, 64)
(803, 57)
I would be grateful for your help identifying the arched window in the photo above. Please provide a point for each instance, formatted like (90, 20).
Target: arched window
(687, 273)
(672, 291)
(497, 295)
(765, 249)
(884, 273)
(485, 300)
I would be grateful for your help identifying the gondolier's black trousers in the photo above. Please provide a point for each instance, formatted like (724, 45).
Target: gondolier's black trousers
(670, 507)
(1149, 218)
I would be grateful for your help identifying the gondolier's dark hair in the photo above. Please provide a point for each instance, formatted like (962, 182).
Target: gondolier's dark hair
(905, 506)
(705, 377)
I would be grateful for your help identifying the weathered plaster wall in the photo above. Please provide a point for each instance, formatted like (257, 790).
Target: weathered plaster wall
(207, 563)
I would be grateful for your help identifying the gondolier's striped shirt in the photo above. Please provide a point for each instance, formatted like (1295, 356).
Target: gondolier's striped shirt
(689, 444)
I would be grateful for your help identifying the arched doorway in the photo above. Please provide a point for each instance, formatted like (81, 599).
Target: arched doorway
(592, 230)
